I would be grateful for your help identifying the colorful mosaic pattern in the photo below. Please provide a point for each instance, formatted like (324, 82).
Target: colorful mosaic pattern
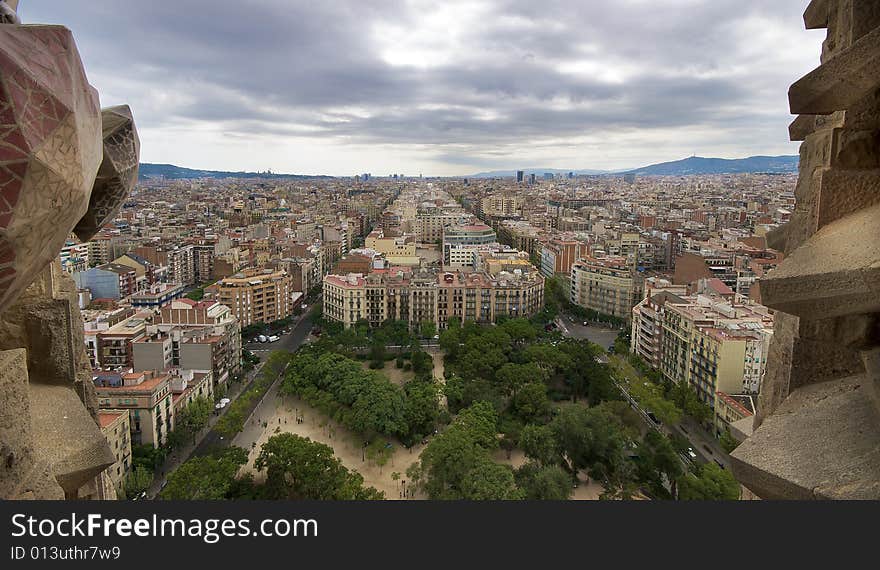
(50, 149)
(118, 173)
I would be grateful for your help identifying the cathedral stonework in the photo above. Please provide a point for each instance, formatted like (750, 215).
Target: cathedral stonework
(817, 432)
(65, 166)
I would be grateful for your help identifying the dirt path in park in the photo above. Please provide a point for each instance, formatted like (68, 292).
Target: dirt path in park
(280, 416)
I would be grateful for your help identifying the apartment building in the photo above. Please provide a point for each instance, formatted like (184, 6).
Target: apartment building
(709, 342)
(558, 256)
(157, 295)
(147, 397)
(429, 225)
(209, 337)
(460, 237)
(188, 386)
(108, 281)
(501, 205)
(398, 250)
(109, 342)
(256, 295)
(732, 408)
(115, 425)
(432, 296)
(74, 256)
(607, 285)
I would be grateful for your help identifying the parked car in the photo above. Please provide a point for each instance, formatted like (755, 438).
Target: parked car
(262, 338)
(273, 338)
(691, 453)
(225, 401)
(653, 418)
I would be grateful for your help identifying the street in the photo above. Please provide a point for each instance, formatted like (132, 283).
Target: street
(705, 446)
(290, 342)
(601, 335)
(210, 439)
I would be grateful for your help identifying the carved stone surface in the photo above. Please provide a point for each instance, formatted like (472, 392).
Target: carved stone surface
(46, 409)
(118, 173)
(817, 428)
(50, 149)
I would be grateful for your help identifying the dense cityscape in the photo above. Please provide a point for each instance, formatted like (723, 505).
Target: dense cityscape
(199, 283)
(523, 316)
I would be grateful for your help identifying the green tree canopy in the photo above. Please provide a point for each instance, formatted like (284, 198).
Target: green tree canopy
(299, 468)
(205, 478)
(658, 463)
(538, 442)
(544, 483)
(712, 483)
(490, 481)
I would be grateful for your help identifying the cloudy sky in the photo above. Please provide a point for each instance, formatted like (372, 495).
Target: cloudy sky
(443, 87)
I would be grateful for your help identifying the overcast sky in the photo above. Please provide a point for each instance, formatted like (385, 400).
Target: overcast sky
(443, 87)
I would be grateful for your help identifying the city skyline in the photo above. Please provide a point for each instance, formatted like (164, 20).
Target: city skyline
(408, 87)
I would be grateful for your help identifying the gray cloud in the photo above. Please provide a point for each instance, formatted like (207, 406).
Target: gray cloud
(524, 73)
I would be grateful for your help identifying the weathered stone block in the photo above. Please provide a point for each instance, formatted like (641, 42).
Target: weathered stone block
(821, 443)
(842, 192)
(834, 273)
(840, 81)
(67, 437)
(816, 14)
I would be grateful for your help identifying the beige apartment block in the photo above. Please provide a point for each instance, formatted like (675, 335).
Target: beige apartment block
(606, 285)
(256, 296)
(148, 398)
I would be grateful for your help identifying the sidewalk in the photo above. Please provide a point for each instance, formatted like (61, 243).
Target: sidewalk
(179, 456)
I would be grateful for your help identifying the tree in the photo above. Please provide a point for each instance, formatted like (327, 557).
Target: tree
(544, 483)
(659, 463)
(427, 329)
(685, 397)
(450, 340)
(298, 468)
(422, 409)
(539, 443)
(712, 483)
(138, 480)
(148, 456)
(205, 478)
(511, 377)
(193, 417)
(422, 364)
(531, 403)
(521, 331)
(632, 421)
(591, 439)
(377, 355)
(446, 462)
(490, 481)
(728, 443)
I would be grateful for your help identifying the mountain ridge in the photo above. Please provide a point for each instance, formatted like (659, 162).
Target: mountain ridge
(691, 165)
(173, 172)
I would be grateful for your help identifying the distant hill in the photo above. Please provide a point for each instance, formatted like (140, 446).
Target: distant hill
(178, 173)
(692, 165)
(700, 165)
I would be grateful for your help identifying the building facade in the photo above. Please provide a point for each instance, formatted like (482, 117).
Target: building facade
(256, 296)
(607, 285)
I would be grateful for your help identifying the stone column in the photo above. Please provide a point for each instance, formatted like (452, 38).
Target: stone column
(818, 422)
